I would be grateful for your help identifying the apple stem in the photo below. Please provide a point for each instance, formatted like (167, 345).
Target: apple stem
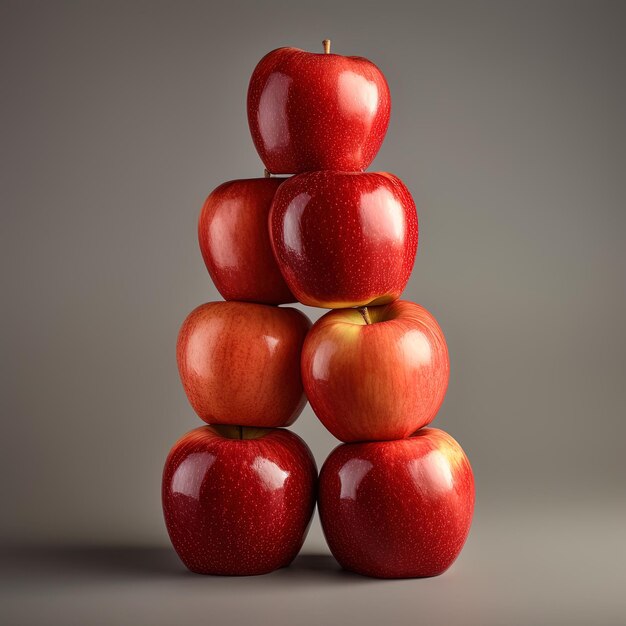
(240, 432)
(267, 173)
(366, 314)
(326, 44)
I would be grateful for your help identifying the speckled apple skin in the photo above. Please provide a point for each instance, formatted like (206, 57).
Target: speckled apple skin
(397, 509)
(377, 381)
(235, 244)
(310, 111)
(238, 507)
(239, 363)
(343, 239)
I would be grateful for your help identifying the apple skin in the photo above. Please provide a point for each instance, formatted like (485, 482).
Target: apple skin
(238, 506)
(235, 244)
(239, 363)
(377, 381)
(397, 509)
(310, 111)
(344, 239)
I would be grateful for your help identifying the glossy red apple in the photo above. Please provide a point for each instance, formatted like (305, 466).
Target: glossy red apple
(310, 111)
(344, 239)
(240, 363)
(375, 374)
(235, 244)
(397, 509)
(238, 501)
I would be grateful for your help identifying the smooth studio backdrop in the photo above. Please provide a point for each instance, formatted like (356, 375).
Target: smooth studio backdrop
(118, 118)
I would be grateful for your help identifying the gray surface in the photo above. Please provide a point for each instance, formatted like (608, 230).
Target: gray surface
(520, 567)
(507, 125)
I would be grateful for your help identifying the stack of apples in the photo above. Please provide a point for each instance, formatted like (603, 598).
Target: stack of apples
(395, 499)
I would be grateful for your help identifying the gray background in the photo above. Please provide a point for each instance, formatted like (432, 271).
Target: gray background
(118, 118)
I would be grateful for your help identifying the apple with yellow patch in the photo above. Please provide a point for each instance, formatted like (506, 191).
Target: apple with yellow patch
(378, 373)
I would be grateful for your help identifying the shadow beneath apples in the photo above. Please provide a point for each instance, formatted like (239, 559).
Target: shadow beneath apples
(319, 567)
(60, 565)
(85, 563)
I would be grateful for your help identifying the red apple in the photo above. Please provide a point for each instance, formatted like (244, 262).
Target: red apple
(240, 363)
(344, 239)
(311, 111)
(397, 509)
(235, 244)
(376, 374)
(238, 501)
